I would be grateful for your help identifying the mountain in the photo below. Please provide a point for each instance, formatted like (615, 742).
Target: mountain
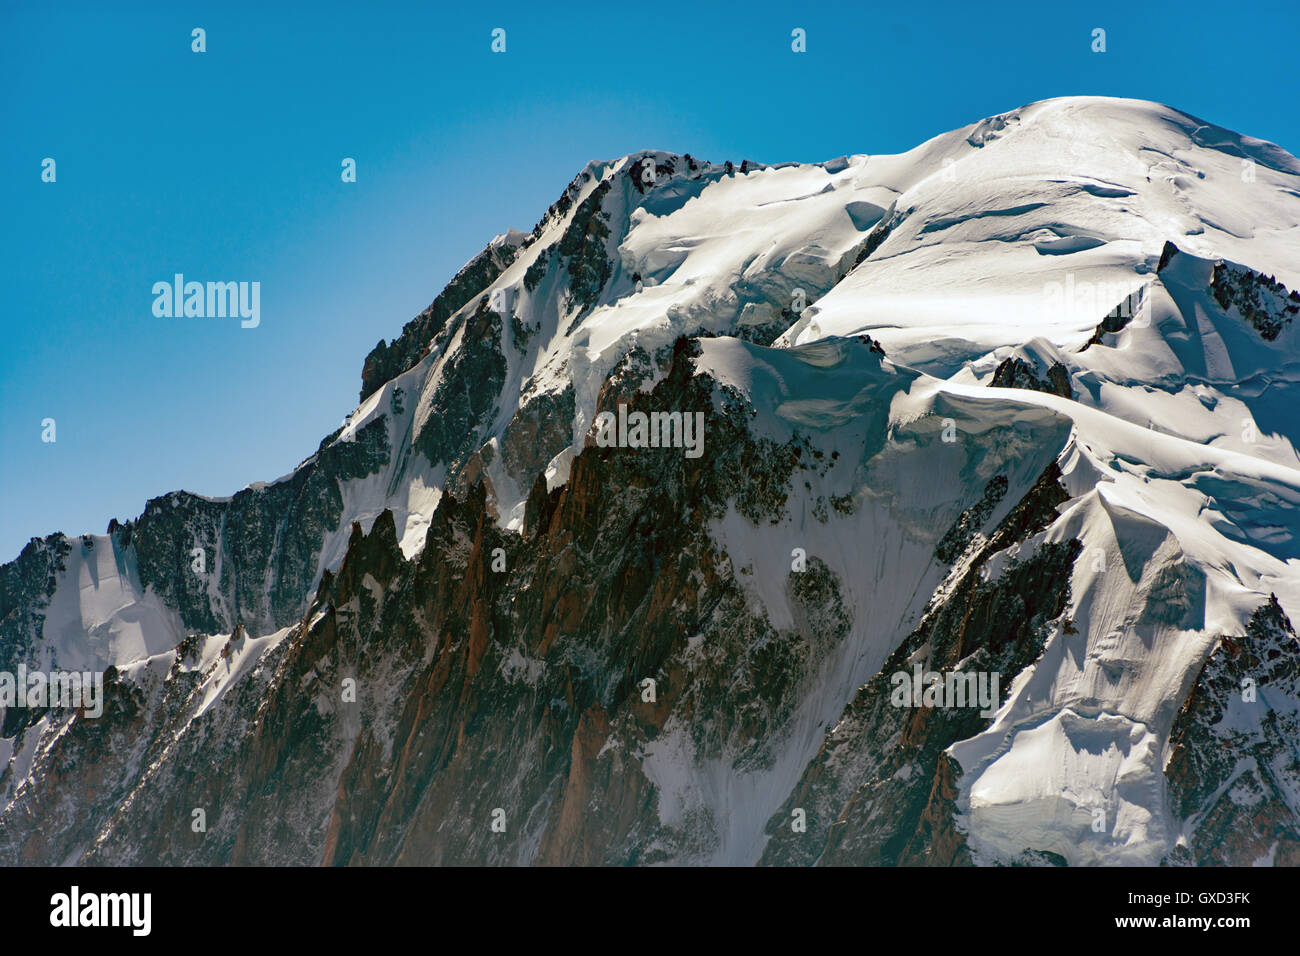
(1011, 408)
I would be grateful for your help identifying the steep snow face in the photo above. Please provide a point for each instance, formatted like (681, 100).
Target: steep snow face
(100, 615)
(894, 483)
(1186, 507)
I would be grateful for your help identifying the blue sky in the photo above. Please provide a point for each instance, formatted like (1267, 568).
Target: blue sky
(225, 165)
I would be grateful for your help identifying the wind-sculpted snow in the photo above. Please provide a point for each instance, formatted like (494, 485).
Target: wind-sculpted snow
(1021, 397)
(1108, 180)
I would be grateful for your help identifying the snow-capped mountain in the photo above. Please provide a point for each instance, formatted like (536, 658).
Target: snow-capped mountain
(1016, 404)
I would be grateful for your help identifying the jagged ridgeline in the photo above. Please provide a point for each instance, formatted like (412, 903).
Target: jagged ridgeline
(919, 510)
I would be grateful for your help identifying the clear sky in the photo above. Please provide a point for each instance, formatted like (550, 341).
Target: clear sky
(225, 165)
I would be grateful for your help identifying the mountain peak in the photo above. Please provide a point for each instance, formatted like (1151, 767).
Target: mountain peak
(1015, 404)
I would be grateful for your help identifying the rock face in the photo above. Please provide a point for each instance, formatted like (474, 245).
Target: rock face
(869, 611)
(1017, 373)
(469, 389)
(26, 586)
(388, 360)
(1235, 768)
(259, 550)
(1261, 300)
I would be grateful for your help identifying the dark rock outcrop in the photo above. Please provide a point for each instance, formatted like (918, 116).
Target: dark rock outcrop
(1234, 765)
(1015, 372)
(388, 360)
